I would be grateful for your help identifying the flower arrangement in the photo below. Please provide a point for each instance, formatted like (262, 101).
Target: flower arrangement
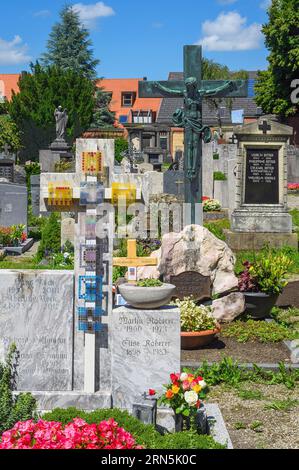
(13, 235)
(211, 205)
(293, 186)
(265, 274)
(195, 317)
(75, 435)
(184, 394)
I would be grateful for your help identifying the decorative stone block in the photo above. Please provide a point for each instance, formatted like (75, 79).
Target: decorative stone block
(145, 348)
(92, 163)
(91, 193)
(122, 190)
(90, 288)
(36, 313)
(60, 194)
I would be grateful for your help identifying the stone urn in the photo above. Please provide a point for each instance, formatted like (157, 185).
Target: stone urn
(147, 297)
(259, 305)
(198, 339)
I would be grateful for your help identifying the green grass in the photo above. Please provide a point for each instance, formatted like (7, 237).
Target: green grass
(16, 262)
(230, 372)
(295, 216)
(287, 317)
(282, 405)
(250, 395)
(145, 435)
(216, 227)
(262, 331)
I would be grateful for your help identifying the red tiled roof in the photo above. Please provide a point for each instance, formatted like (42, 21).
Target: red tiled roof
(9, 82)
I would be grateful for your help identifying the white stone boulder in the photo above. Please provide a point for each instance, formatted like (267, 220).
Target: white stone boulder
(229, 307)
(197, 249)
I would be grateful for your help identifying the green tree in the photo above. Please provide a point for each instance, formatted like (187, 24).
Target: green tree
(69, 45)
(273, 89)
(211, 70)
(41, 91)
(121, 145)
(102, 116)
(51, 237)
(9, 134)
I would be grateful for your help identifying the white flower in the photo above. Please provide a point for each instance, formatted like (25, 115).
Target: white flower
(66, 255)
(191, 398)
(184, 377)
(202, 383)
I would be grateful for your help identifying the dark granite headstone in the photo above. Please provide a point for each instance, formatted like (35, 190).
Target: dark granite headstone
(7, 169)
(192, 284)
(13, 204)
(262, 176)
(173, 183)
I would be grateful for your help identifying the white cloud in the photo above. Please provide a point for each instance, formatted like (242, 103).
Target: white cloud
(230, 32)
(157, 25)
(227, 2)
(13, 52)
(265, 4)
(89, 14)
(42, 13)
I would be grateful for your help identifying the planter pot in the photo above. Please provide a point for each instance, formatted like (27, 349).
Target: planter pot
(183, 423)
(147, 297)
(259, 305)
(198, 339)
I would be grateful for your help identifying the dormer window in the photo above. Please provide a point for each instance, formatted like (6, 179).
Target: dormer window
(128, 99)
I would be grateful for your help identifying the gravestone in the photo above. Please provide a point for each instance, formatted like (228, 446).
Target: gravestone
(7, 169)
(145, 350)
(192, 284)
(173, 183)
(13, 204)
(67, 230)
(261, 215)
(35, 194)
(36, 313)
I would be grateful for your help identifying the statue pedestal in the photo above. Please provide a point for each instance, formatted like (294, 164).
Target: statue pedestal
(59, 151)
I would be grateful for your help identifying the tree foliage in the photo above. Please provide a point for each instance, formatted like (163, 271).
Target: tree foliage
(69, 45)
(273, 89)
(102, 115)
(9, 133)
(41, 91)
(213, 71)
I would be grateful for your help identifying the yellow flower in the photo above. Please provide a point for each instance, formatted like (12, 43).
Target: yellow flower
(197, 388)
(190, 379)
(175, 389)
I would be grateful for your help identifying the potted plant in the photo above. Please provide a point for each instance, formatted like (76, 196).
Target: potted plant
(184, 394)
(18, 234)
(147, 294)
(198, 326)
(262, 282)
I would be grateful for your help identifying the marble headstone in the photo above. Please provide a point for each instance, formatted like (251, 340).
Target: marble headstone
(13, 204)
(146, 348)
(36, 313)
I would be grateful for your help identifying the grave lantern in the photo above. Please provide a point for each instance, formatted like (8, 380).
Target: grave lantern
(145, 409)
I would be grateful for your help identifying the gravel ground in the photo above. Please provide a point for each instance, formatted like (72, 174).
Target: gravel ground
(277, 429)
(243, 352)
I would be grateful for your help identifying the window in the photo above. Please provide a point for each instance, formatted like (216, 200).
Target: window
(251, 85)
(142, 117)
(163, 140)
(128, 99)
(146, 141)
(123, 119)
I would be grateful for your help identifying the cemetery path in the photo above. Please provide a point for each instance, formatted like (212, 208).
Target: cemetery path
(271, 421)
(254, 352)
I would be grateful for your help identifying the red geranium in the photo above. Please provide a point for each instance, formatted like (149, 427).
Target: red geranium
(151, 392)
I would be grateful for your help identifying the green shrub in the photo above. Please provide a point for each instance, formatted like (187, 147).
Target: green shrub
(217, 228)
(219, 176)
(290, 252)
(51, 237)
(13, 408)
(149, 283)
(121, 145)
(144, 434)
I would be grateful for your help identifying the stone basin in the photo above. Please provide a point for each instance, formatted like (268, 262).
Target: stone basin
(147, 297)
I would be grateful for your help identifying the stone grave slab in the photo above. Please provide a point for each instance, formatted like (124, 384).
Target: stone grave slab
(192, 284)
(36, 313)
(145, 348)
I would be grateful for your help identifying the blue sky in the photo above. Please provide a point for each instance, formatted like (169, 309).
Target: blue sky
(136, 38)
